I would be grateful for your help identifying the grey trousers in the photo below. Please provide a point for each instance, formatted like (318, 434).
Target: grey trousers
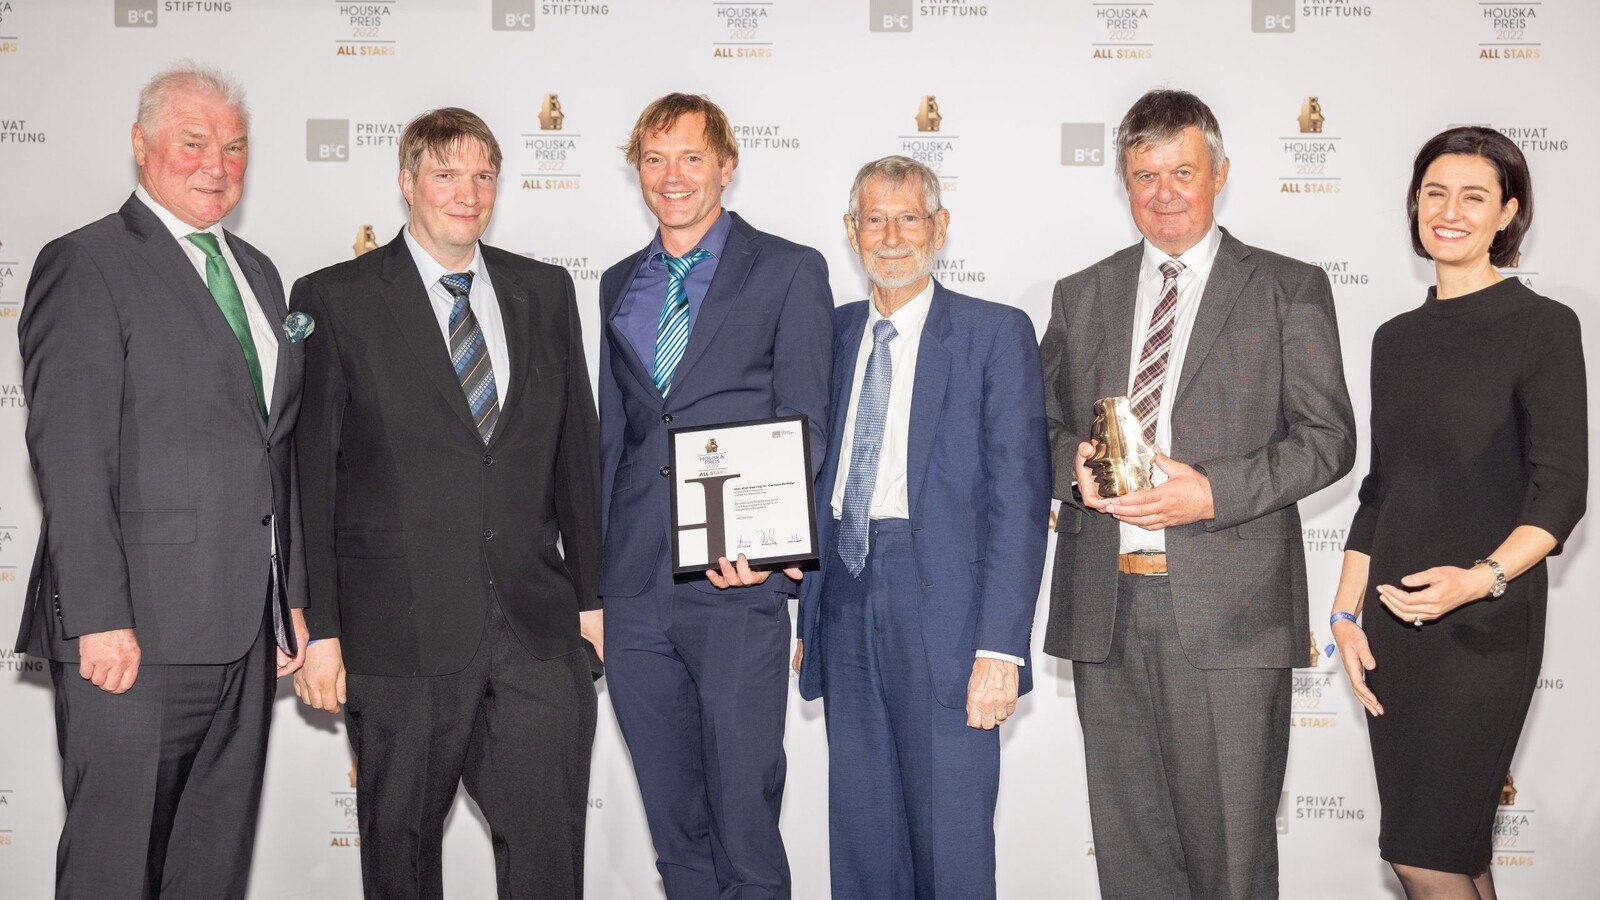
(1185, 765)
(163, 782)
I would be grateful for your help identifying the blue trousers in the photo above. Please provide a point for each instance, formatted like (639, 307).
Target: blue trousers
(700, 685)
(911, 788)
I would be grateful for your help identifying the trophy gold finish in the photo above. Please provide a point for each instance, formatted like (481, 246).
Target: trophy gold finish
(1122, 457)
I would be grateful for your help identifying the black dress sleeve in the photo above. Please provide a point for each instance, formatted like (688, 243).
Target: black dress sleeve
(1365, 523)
(1552, 395)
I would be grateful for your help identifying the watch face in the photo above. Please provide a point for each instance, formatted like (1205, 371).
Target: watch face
(1499, 589)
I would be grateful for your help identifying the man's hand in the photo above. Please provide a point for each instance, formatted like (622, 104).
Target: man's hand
(799, 650)
(991, 692)
(1088, 488)
(320, 682)
(740, 574)
(110, 659)
(1183, 498)
(288, 665)
(591, 624)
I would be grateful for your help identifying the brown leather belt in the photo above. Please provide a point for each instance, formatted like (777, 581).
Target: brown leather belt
(1142, 563)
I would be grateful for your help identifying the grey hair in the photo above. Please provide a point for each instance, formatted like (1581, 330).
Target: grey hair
(895, 170)
(1161, 115)
(187, 75)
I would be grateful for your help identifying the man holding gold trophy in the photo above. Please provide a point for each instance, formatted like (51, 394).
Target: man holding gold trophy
(1179, 589)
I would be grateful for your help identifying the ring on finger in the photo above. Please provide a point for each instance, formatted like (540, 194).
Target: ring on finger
(1417, 621)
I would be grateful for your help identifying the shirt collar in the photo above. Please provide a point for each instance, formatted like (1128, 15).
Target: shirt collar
(1196, 260)
(715, 238)
(907, 319)
(429, 267)
(179, 228)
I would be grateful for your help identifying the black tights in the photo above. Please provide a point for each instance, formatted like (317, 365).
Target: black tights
(1429, 884)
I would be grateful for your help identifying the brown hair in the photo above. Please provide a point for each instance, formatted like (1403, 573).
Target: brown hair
(664, 112)
(1510, 168)
(438, 131)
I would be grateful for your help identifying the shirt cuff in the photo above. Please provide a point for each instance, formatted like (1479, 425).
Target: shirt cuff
(990, 654)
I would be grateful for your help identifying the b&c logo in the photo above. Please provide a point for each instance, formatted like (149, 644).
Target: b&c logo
(1083, 143)
(135, 13)
(327, 140)
(892, 15)
(512, 15)
(1272, 16)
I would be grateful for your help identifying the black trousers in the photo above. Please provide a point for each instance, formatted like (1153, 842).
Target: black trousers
(516, 729)
(163, 782)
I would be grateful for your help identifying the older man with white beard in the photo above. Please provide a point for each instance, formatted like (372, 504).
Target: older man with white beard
(932, 506)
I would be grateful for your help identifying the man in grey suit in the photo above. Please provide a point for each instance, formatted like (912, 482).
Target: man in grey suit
(162, 391)
(1183, 606)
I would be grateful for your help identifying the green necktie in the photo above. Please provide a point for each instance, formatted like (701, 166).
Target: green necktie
(223, 289)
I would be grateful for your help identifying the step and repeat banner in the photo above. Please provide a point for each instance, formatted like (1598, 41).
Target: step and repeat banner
(1015, 103)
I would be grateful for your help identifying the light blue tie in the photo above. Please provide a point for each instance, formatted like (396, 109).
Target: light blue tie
(672, 330)
(872, 407)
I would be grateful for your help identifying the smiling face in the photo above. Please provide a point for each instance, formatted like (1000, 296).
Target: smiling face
(682, 181)
(192, 159)
(1460, 208)
(451, 200)
(1172, 190)
(895, 254)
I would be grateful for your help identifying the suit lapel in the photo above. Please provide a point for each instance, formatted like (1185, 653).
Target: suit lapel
(516, 311)
(164, 255)
(407, 301)
(932, 373)
(1117, 300)
(846, 347)
(267, 299)
(624, 347)
(738, 255)
(1229, 273)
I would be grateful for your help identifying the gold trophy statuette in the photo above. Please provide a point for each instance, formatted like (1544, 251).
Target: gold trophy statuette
(1122, 457)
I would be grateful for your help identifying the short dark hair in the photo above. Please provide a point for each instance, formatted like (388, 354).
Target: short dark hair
(1161, 115)
(438, 131)
(1510, 167)
(664, 112)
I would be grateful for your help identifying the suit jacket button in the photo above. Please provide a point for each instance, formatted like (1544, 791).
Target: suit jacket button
(665, 471)
(266, 519)
(488, 534)
(667, 418)
(488, 460)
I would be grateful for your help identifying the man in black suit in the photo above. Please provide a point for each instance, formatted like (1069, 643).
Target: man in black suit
(448, 441)
(162, 389)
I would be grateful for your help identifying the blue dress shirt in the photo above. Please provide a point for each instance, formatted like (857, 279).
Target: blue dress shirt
(640, 312)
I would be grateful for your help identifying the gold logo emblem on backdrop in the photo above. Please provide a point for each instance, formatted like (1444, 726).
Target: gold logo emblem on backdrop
(1315, 658)
(928, 116)
(366, 239)
(550, 114)
(711, 445)
(352, 773)
(1311, 117)
(1508, 792)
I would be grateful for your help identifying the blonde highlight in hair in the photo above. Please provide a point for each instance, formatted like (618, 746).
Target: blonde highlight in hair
(664, 112)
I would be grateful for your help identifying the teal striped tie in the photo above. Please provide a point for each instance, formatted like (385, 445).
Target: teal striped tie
(672, 331)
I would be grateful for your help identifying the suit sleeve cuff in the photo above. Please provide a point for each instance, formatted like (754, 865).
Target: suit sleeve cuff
(1004, 657)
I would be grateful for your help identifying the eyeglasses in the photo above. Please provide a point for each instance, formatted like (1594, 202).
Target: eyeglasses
(906, 221)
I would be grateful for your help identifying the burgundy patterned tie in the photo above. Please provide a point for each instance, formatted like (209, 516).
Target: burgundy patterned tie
(1153, 358)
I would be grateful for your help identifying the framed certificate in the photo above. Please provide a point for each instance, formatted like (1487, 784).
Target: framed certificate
(743, 487)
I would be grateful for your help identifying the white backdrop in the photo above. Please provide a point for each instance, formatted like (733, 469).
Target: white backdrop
(1030, 92)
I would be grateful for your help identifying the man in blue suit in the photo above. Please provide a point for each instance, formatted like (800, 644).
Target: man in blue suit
(713, 322)
(932, 510)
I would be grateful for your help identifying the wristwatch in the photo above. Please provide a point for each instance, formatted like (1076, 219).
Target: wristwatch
(1499, 576)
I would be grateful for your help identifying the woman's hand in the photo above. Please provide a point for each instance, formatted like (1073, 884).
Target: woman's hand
(1358, 661)
(1442, 589)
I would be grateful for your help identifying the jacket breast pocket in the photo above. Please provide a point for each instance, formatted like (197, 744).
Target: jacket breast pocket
(158, 526)
(370, 544)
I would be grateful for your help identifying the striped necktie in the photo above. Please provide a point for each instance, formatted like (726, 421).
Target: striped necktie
(672, 330)
(219, 280)
(872, 408)
(469, 354)
(1157, 346)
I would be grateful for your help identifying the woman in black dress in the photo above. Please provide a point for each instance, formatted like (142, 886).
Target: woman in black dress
(1479, 471)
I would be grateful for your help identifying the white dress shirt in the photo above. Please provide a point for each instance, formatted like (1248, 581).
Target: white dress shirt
(1197, 262)
(889, 494)
(263, 331)
(485, 308)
